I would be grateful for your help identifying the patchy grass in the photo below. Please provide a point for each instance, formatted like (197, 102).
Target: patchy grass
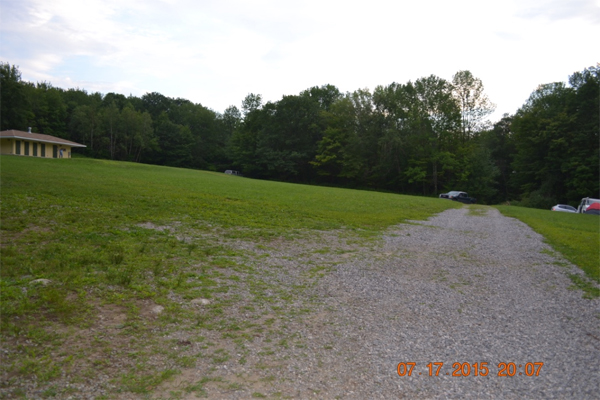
(576, 236)
(102, 263)
(477, 210)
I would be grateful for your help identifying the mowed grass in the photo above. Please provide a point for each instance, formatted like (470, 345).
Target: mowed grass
(576, 236)
(66, 219)
(109, 194)
(115, 238)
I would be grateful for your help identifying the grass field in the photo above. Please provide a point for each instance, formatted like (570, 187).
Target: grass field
(113, 238)
(576, 236)
(89, 248)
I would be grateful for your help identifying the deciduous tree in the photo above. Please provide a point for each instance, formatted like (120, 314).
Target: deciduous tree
(473, 102)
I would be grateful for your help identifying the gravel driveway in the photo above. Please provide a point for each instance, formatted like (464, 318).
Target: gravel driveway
(478, 294)
(463, 288)
(469, 286)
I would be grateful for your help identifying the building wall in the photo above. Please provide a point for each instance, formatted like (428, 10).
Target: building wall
(9, 146)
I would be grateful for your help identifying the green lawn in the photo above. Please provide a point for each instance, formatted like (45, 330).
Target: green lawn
(109, 193)
(576, 236)
(63, 219)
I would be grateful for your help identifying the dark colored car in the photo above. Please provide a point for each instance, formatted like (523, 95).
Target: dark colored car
(455, 195)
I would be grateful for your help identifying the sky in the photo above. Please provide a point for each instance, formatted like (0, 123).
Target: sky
(215, 52)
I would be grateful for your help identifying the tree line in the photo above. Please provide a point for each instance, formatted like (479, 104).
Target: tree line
(422, 137)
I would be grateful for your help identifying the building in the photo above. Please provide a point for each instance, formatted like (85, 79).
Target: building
(35, 144)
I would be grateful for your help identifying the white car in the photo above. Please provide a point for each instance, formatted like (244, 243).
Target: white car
(564, 208)
(585, 203)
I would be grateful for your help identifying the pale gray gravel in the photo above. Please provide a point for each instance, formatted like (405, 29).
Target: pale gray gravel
(459, 287)
(469, 289)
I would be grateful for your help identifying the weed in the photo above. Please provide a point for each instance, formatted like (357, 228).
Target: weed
(191, 247)
(589, 289)
(220, 356)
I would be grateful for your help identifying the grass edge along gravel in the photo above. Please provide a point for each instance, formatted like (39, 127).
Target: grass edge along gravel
(89, 246)
(575, 236)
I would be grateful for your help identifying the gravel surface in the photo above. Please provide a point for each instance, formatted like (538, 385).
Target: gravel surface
(462, 287)
(334, 319)
(468, 289)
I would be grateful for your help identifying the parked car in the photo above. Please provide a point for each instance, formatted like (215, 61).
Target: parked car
(455, 195)
(232, 172)
(594, 208)
(585, 203)
(564, 208)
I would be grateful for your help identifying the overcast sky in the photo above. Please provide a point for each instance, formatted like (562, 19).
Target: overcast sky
(216, 52)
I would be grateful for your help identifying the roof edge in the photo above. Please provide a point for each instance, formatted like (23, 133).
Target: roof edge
(14, 134)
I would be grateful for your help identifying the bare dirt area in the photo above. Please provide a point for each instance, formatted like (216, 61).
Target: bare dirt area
(480, 293)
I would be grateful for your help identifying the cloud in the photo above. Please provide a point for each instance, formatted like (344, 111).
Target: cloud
(556, 10)
(217, 51)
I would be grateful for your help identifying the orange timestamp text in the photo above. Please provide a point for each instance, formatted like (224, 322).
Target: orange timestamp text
(471, 369)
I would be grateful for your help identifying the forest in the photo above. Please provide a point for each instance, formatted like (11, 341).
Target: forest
(423, 137)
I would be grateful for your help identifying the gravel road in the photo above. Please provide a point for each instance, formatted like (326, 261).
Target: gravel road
(469, 289)
(466, 286)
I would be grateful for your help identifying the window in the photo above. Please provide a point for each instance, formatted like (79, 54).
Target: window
(35, 149)
(18, 149)
(26, 148)
(43, 150)
(54, 151)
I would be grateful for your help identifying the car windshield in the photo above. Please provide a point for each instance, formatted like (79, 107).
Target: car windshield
(567, 207)
(454, 194)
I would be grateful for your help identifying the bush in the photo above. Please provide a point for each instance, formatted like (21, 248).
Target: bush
(537, 199)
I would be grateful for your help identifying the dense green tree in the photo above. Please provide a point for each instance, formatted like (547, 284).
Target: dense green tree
(325, 95)
(332, 159)
(244, 139)
(156, 104)
(500, 143)
(48, 110)
(82, 117)
(420, 137)
(85, 126)
(439, 122)
(251, 102)
(116, 99)
(287, 143)
(15, 111)
(556, 141)
(418, 134)
(232, 117)
(111, 124)
(583, 141)
(174, 143)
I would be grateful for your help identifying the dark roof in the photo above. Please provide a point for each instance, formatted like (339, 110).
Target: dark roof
(38, 137)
